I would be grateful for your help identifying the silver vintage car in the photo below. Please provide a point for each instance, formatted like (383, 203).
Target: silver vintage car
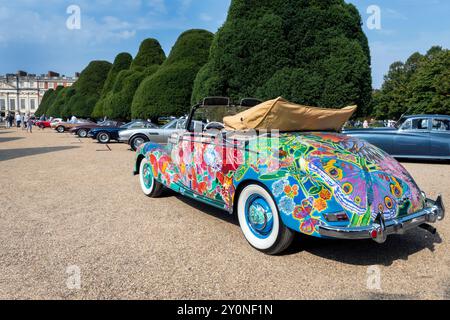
(418, 136)
(136, 137)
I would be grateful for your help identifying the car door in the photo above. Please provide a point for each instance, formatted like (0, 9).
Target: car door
(440, 138)
(413, 138)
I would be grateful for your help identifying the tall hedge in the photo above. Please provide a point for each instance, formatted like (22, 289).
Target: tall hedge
(312, 52)
(168, 92)
(86, 91)
(121, 62)
(117, 104)
(46, 102)
(56, 103)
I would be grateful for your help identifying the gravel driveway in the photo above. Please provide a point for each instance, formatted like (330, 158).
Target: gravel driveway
(68, 205)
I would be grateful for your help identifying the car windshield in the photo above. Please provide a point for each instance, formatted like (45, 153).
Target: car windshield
(172, 124)
(127, 125)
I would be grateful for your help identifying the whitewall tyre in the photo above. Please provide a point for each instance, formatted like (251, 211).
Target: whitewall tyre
(260, 221)
(149, 185)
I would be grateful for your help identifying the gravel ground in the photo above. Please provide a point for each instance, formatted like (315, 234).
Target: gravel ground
(66, 202)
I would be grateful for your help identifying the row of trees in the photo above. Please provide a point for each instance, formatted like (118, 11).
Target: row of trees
(419, 85)
(312, 52)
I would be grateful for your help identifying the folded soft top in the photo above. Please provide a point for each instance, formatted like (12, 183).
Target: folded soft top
(280, 114)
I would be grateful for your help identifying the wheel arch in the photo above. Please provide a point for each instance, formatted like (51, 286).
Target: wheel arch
(137, 167)
(139, 134)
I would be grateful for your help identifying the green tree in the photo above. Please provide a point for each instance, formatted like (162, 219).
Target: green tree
(311, 52)
(430, 84)
(85, 93)
(117, 103)
(59, 98)
(169, 90)
(122, 62)
(420, 85)
(47, 101)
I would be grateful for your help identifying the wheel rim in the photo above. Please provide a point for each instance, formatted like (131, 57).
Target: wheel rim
(259, 216)
(103, 137)
(138, 142)
(82, 133)
(60, 129)
(147, 176)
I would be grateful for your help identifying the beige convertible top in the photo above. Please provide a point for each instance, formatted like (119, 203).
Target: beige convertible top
(280, 114)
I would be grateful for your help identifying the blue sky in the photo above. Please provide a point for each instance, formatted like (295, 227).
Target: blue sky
(34, 36)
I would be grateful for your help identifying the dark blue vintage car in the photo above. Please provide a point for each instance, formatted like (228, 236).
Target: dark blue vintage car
(106, 134)
(418, 137)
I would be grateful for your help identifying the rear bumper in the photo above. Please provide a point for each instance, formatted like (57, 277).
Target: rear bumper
(381, 229)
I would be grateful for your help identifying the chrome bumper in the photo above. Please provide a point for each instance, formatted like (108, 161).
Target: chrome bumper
(381, 229)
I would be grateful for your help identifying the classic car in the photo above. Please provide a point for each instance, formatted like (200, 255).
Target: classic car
(62, 127)
(136, 137)
(83, 130)
(418, 136)
(323, 184)
(47, 123)
(105, 135)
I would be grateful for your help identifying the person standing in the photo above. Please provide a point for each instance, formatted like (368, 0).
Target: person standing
(366, 124)
(7, 121)
(18, 120)
(30, 124)
(25, 118)
(10, 120)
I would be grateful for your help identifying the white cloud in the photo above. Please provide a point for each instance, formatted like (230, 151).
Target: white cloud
(205, 17)
(159, 6)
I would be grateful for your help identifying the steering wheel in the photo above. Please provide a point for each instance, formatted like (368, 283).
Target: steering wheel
(214, 126)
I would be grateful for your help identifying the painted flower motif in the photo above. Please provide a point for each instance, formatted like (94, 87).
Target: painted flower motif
(278, 187)
(287, 205)
(308, 226)
(320, 204)
(291, 191)
(325, 194)
(212, 159)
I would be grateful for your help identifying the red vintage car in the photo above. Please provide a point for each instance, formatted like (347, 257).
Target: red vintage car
(46, 124)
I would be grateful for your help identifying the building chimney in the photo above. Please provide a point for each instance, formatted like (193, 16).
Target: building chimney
(52, 74)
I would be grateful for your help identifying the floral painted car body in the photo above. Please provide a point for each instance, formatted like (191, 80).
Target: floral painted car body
(320, 184)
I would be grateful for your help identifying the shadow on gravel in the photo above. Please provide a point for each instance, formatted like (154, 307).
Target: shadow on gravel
(10, 154)
(10, 139)
(207, 209)
(367, 252)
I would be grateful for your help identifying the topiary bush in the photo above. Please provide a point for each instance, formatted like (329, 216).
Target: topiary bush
(86, 91)
(117, 103)
(311, 52)
(168, 92)
(55, 108)
(122, 62)
(47, 101)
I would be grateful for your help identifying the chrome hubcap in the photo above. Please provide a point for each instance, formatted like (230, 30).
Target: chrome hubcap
(83, 133)
(259, 216)
(147, 175)
(103, 137)
(138, 142)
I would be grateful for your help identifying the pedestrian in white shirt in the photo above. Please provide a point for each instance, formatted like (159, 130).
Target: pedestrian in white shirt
(18, 120)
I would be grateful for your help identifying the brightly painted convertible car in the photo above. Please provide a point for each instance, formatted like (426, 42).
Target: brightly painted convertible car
(320, 184)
